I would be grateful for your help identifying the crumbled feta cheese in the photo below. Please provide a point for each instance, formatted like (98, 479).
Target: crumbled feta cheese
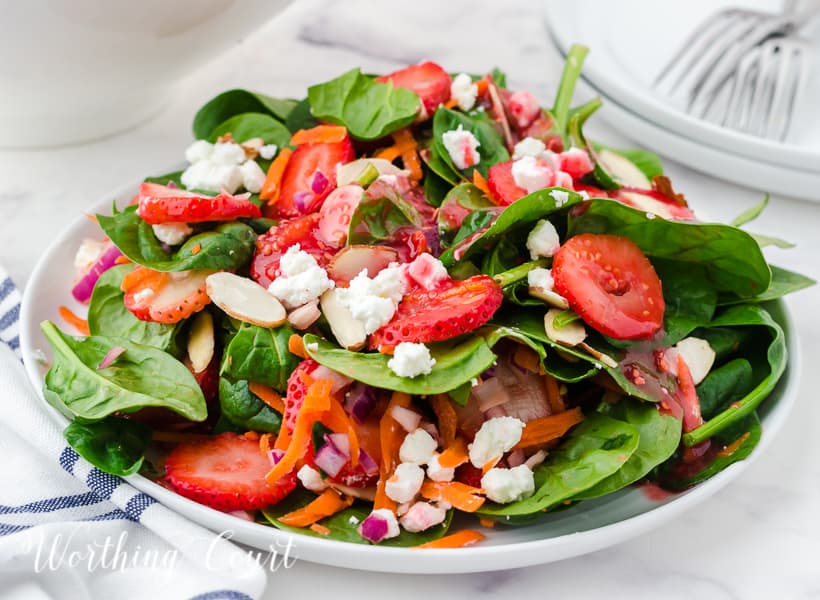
(212, 177)
(373, 302)
(354, 520)
(172, 234)
(543, 240)
(427, 271)
(422, 516)
(418, 447)
(405, 483)
(411, 360)
(311, 479)
(301, 281)
(463, 91)
(560, 196)
(88, 254)
(524, 108)
(650, 215)
(392, 524)
(541, 278)
(227, 153)
(584, 194)
(529, 146)
(531, 174)
(496, 436)
(312, 347)
(199, 150)
(508, 485)
(268, 151)
(438, 473)
(253, 177)
(462, 147)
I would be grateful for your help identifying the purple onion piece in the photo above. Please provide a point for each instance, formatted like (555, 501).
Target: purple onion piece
(340, 441)
(85, 286)
(301, 200)
(275, 455)
(110, 357)
(367, 463)
(374, 528)
(360, 401)
(330, 459)
(319, 183)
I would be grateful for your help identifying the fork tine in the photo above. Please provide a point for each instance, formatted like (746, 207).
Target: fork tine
(788, 81)
(764, 90)
(744, 82)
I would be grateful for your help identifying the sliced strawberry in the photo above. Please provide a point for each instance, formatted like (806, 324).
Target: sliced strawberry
(469, 475)
(164, 297)
(336, 212)
(297, 388)
(208, 378)
(543, 129)
(354, 477)
(502, 185)
(272, 245)
(163, 204)
(427, 80)
(226, 472)
(441, 314)
(611, 284)
(309, 177)
(575, 161)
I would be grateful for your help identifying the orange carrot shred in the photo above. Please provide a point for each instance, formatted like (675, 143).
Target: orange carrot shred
(543, 430)
(486, 522)
(460, 539)
(391, 436)
(554, 394)
(409, 152)
(76, 322)
(268, 395)
(297, 346)
(251, 435)
(462, 496)
(490, 464)
(390, 153)
(196, 248)
(328, 503)
(454, 455)
(526, 358)
(321, 134)
(450, 103)
(90, 217)
(446, 417)
(732, 448)
(320, 529)
(122, 260)
(337, 420)
(273, 180)
(482, 85)
(264, 443)
(481, 183)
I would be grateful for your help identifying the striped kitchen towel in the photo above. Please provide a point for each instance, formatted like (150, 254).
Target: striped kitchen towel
(69, 530)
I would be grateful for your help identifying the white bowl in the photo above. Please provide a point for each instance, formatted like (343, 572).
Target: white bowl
(75, 70)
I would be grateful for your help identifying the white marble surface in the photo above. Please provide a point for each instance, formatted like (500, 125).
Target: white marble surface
(758, 538)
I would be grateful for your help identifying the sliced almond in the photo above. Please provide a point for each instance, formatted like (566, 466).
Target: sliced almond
(604, 358)
(244, 299)
(570, 334)
(623, 170)
(698, 355)
(348, 331)
(303, 317)
(550, 297)
(201, 341)
(350, 261)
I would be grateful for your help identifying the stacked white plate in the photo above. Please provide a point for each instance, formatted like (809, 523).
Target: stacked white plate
(631, 41)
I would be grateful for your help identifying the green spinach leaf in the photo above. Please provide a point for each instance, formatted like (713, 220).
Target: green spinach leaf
(726, 384)
(378, 218)
(491, 147)
(301, 117)
(242, 408)
(114, 445)
(235, 102)
(783, 282)
(174, 177)
(750, 214)
(260, 355)
(253, 125)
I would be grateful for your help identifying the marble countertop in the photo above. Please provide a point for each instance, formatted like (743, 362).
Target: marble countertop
(757, 538)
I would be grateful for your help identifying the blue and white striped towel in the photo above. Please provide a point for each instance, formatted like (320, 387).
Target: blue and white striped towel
(69, 530)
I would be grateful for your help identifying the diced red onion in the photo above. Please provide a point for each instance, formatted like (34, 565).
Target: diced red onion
(374, 528)
(302, 200)
(536, 459)
(490, 393)
(110, 357)
(341, 441)
(319, 183)
(367, 463)
(330, 459)
(409, 419)
(339, 381)
(172, 184)
(85, 286)
(516, 457)
(275, 455)
(360, 400)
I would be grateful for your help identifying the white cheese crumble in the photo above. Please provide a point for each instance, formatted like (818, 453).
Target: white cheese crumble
(172, 234)
(199, 150)
(427, 271)
(418, 447)
(529, 146)
(422, 516)
(227, 153)
(88, 254)
(464, 91)
(531, 174)
(268, 151)
(438, 473)
(411, 360)
(560, 196)
(541, 278)
(301, 280)
(405, 483)
(212, 177)
(373, 302)
(543, 240)
(508, 485)
(462, 147)
(221, 166)
(390, 518)
(496, 436)
(311, 479)
(253, 177)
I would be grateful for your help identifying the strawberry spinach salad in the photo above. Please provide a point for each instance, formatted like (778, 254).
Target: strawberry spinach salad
(405, 296)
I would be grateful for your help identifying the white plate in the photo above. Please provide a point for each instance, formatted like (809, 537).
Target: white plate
(630, 42)
(584, 528)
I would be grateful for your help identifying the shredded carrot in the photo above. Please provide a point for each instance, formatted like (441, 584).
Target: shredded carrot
(486, 522)
(283, 439)
(482, 85)
(490, 464)
(460, 539)
(273, 180)
(296, 345)
(196, 248)
(320, 529)
(390, 153)
(321, 134)
(732, 448)
(554, 394)
(264, 444)
(447, 419)
(526, 358)
(251, 435)
(76, 322)
(91, 217)
(337, 420)
(543, 430)
(269, 396)
(328, 503)
(462, 496)
(317, 401)
(454, 455)
(409, 152)
(122, 260)
(450, 103)
(391, 435)
(481, 183)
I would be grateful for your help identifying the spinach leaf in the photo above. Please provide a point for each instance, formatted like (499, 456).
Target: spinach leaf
(242, 408)
(460, 202)
(253, 125)
(114, 445)
(433, 160)
(592, 451)
(750, 214)
(369, 109)
(659, 437)
(456, 364)
(435, 188)
(139, 377)
(724, 385)
(227, 247)
(730, 258)
(235, 102)
(764, 240)
(776, 357)
(301, 117)
(783, 282)
(491, 147)
(499, 77)
(107, 313)
(690, 300)
(174, 176)
(260, 355)
(377, 219)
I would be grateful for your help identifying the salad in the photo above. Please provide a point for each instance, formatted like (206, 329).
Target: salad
(408, 296)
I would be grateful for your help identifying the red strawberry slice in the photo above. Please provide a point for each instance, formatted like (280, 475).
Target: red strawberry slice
(272, 245)
(226, 472)
(469, 475)
(502, 184)
(162, 204)
(427, 80)
(429, 316)
(164, 297)
(309, 177)
(297, 388)
(354, 477)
